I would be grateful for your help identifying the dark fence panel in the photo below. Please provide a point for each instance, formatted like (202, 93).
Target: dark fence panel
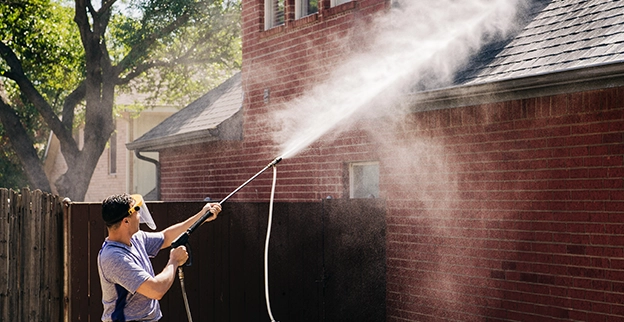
(31, 256)
(326, 262)
(355, 262)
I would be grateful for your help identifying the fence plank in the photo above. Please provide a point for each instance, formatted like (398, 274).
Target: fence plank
(97, 234)
(5, 216)
(31, 253)
(52, 241)
(15, 249)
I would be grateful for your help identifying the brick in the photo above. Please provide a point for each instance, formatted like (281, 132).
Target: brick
(533, 216)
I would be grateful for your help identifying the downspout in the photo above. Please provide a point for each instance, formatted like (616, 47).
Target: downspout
(157, 164)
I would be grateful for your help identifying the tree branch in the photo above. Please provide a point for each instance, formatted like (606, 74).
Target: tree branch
(106, 5)
(29, 90)
(69, 106)
(142, 47)
(82, 20)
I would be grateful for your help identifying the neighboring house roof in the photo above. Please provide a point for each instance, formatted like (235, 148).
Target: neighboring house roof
(568, 45)
(214, 116)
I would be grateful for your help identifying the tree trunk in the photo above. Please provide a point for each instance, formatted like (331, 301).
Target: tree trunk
(75, 181)
(24, 147)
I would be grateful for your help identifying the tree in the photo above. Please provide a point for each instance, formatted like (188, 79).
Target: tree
(60, 67)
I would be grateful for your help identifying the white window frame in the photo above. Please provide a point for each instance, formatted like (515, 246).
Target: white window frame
(338, 2)
(112, 154)
(269, 13)
(301, 8)
(354, 181)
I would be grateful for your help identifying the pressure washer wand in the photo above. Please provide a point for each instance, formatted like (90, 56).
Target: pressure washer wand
(184, 237)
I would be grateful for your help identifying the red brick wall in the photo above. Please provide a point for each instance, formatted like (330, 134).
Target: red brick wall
(508, 212)
(500, 212)
(284, 60)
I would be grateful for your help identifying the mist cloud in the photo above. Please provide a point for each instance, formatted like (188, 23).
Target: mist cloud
(418, 42)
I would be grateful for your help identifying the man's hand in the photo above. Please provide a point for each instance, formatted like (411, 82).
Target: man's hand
(178, 255)
(172, 232)
(156, 287)
(214, 208)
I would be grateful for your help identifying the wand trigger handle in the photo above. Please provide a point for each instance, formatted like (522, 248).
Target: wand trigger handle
(183, 239)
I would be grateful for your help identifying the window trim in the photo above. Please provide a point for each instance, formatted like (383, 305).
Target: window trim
(300, 8)
(351, 166)
(269, 14)
(112, 154)
(335, 3)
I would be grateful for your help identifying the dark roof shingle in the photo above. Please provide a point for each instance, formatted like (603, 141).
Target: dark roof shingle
(564, 35)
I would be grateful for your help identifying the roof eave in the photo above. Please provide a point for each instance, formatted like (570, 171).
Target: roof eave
(161, 143)
(568, 81)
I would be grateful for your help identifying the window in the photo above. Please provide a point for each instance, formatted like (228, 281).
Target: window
(339, 2)
(112, 154)
(305, 8)
(273, 13)
(364, 180)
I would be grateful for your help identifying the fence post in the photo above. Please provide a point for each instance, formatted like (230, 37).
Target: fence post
(66, 259)
(5, 217)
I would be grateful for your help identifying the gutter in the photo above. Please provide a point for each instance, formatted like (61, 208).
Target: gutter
(547, 84)
(160, 143)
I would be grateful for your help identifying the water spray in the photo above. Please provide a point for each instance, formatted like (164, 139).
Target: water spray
(183, 239)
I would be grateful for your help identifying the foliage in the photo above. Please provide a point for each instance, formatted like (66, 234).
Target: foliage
(54, 61)
(44, 37)
(204, 52)
(62, 62)
(11, 173)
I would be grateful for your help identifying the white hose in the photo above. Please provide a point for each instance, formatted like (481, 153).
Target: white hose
(266, 247)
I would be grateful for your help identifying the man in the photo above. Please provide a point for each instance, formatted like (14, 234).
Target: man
(130, 289)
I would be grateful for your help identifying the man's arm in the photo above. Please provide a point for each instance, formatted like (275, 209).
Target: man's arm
(172, 232)
(156, 287)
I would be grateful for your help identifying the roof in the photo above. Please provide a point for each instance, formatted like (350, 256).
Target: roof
(211, 117)
(565, 46)
(564, 35)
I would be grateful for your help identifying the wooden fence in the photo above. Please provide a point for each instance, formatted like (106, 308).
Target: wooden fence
(31, 256)
(326, 262)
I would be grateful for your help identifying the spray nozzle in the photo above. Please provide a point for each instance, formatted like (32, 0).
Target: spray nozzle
(275, 161)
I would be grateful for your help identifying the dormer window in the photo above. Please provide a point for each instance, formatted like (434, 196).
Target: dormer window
(273, 13)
